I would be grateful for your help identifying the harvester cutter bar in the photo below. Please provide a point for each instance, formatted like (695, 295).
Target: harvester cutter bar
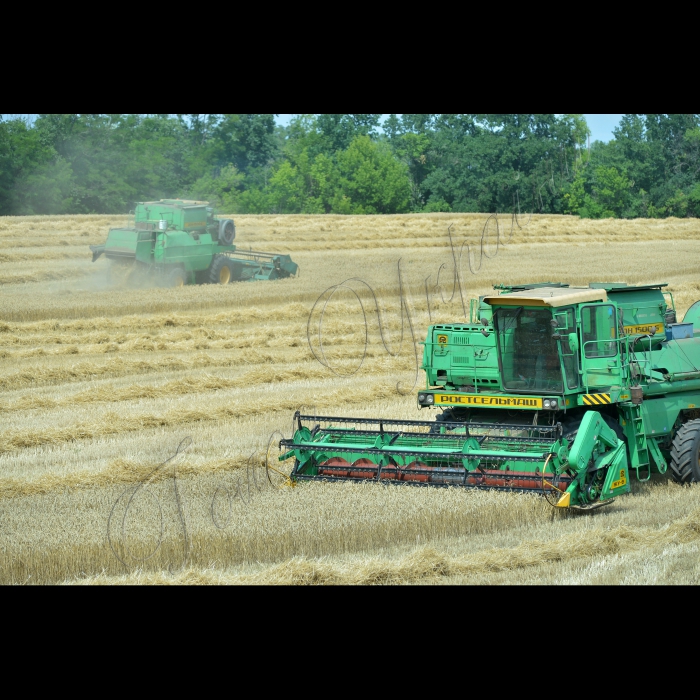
(432, 484)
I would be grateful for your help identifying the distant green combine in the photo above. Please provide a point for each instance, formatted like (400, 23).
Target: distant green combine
(175, 242)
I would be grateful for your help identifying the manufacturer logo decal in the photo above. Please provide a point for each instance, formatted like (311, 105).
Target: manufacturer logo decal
(481, 400)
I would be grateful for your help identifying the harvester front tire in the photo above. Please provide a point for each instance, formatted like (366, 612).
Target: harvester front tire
(685, 468)
(177, 278)
(220, 271)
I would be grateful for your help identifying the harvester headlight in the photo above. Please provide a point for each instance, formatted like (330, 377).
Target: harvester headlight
(547, 403)
(421, 398)
(550, 403)
(429, 399)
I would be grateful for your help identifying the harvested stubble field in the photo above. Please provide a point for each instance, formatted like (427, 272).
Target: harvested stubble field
(100, 383)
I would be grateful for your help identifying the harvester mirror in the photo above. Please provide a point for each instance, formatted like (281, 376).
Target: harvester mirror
(554, 323)
(556, 336)
(573, 342)
(484, 322)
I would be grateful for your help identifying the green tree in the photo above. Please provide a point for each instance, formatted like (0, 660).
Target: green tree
(34, 179)
(611, 189)
(371, 180)
(223, 190)
(365, 178)
(246, 140)
(494, 162)
(328, 133)
(410, 137)
(338, 131)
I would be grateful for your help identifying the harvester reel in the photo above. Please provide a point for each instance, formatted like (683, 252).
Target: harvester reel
(227, 232)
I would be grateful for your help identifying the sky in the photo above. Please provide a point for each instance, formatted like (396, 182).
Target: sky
(601, 125)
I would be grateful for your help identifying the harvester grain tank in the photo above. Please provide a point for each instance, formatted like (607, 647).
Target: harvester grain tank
(177, 242)
(552, 389)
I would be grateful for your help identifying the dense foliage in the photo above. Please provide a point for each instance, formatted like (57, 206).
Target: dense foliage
(351, 163)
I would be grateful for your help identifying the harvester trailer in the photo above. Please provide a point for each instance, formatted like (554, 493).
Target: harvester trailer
(177, 242)
(552, 389)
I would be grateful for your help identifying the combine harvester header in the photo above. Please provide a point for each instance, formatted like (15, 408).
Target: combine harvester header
(552, 389)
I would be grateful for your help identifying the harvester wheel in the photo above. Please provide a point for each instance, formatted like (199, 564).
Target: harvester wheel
(176, 278)
(220, 270)
(685, 468)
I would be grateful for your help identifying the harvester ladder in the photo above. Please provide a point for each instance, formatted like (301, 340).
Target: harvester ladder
(637, 440)
(658, 457)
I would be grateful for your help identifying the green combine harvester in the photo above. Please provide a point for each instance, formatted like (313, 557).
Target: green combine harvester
(551, 389)
(175, 242)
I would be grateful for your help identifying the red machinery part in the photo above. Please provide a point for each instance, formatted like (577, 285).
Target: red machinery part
(488, 478)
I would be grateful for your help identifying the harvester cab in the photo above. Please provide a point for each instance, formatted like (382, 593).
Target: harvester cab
(554, 389)
(178, 242)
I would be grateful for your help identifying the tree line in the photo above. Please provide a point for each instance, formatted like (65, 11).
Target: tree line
(351, 163)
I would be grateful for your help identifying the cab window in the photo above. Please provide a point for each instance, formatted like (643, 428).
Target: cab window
(599, 331)
(566, 324)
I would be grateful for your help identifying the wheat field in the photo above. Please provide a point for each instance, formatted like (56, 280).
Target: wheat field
(100, 384)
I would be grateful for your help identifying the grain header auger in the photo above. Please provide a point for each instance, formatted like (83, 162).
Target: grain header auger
(176, 242)
(550, 389)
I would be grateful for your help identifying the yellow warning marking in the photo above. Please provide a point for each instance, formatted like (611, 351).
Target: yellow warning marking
(596, 399)
(564, 501)
(442, 340)
(644, 329)
(481, 400)
(620, 482)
